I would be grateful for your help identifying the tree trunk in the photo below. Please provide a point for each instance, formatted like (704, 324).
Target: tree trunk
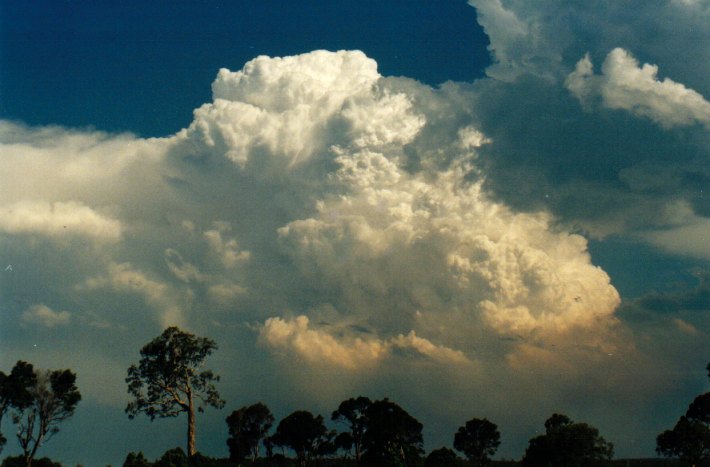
(190, 427)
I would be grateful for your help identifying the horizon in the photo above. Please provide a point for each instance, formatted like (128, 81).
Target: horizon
(477, 209)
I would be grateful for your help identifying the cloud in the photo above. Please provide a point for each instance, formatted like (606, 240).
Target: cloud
(438, 353)
(124, 278)
(367, 224)
(626, 85)
(546, 39)
(443, 243)
(686, 236)
(317, 346)
(57, 219)
(42, 315)
(228, 249)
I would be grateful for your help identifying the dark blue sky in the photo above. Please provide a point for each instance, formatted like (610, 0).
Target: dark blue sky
(144, 66)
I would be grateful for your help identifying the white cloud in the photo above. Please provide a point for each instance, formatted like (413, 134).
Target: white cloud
(438, 353)
(42, 315)
(625, 85)
(57, 219)
(313, 185)
(317, 346)
(443, 243)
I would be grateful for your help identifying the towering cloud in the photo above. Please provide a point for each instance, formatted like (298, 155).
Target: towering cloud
(318, 219)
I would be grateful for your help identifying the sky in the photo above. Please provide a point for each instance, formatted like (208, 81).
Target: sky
(488, 209)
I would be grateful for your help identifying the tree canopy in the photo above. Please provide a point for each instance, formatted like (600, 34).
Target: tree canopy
(168, 379)
(689, 440)
(15, 391)
(304, 433)
(353, 413)
(248, 426)
(478, 439)
(442, 457)
(53, 399)
(393, 437)
(567, 443)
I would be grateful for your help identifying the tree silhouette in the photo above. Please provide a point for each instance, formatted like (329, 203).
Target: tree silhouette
(54, 397)
(567, 443)
(15, 391)
(303, 433)
(167, 381)
(352, 412)
(689, 440)
(393, 437)
(247, 427)
(136, 460)
(478, 440)
(442, 457)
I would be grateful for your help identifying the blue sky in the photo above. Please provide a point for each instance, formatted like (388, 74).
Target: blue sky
(135, 67)
(486, 209)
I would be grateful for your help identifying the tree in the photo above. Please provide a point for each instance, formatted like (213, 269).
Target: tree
(442, 457)
(478, 440)
(303, 433)
(136, 460)
(248, 426)
(174, 457)
(567, 443)
(15, 391)
(54, 397)
(167, 381)
(393, 437)
(352, 412)
(689, 440)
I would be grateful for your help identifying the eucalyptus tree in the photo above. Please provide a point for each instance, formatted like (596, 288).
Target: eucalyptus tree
(53, 397)
(169, 379)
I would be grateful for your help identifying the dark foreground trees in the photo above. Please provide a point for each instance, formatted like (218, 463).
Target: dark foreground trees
(478, 439)
(54, 399)
(305, 434)
(248, 426)
(567, 443)
(40, 401)
(393, 437)
(689, 440)
(442, 457)
(15, 391)
(167, 380)
(352, 413)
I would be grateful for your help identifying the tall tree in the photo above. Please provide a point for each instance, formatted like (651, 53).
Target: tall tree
(15, 391)
(248, 426)
(303, 433)
(393, 437)
(54, 397)
(567, 443)
(478, 439)
(168, 379)
(352, 412)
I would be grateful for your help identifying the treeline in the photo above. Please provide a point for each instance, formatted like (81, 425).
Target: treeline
(170, 379)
